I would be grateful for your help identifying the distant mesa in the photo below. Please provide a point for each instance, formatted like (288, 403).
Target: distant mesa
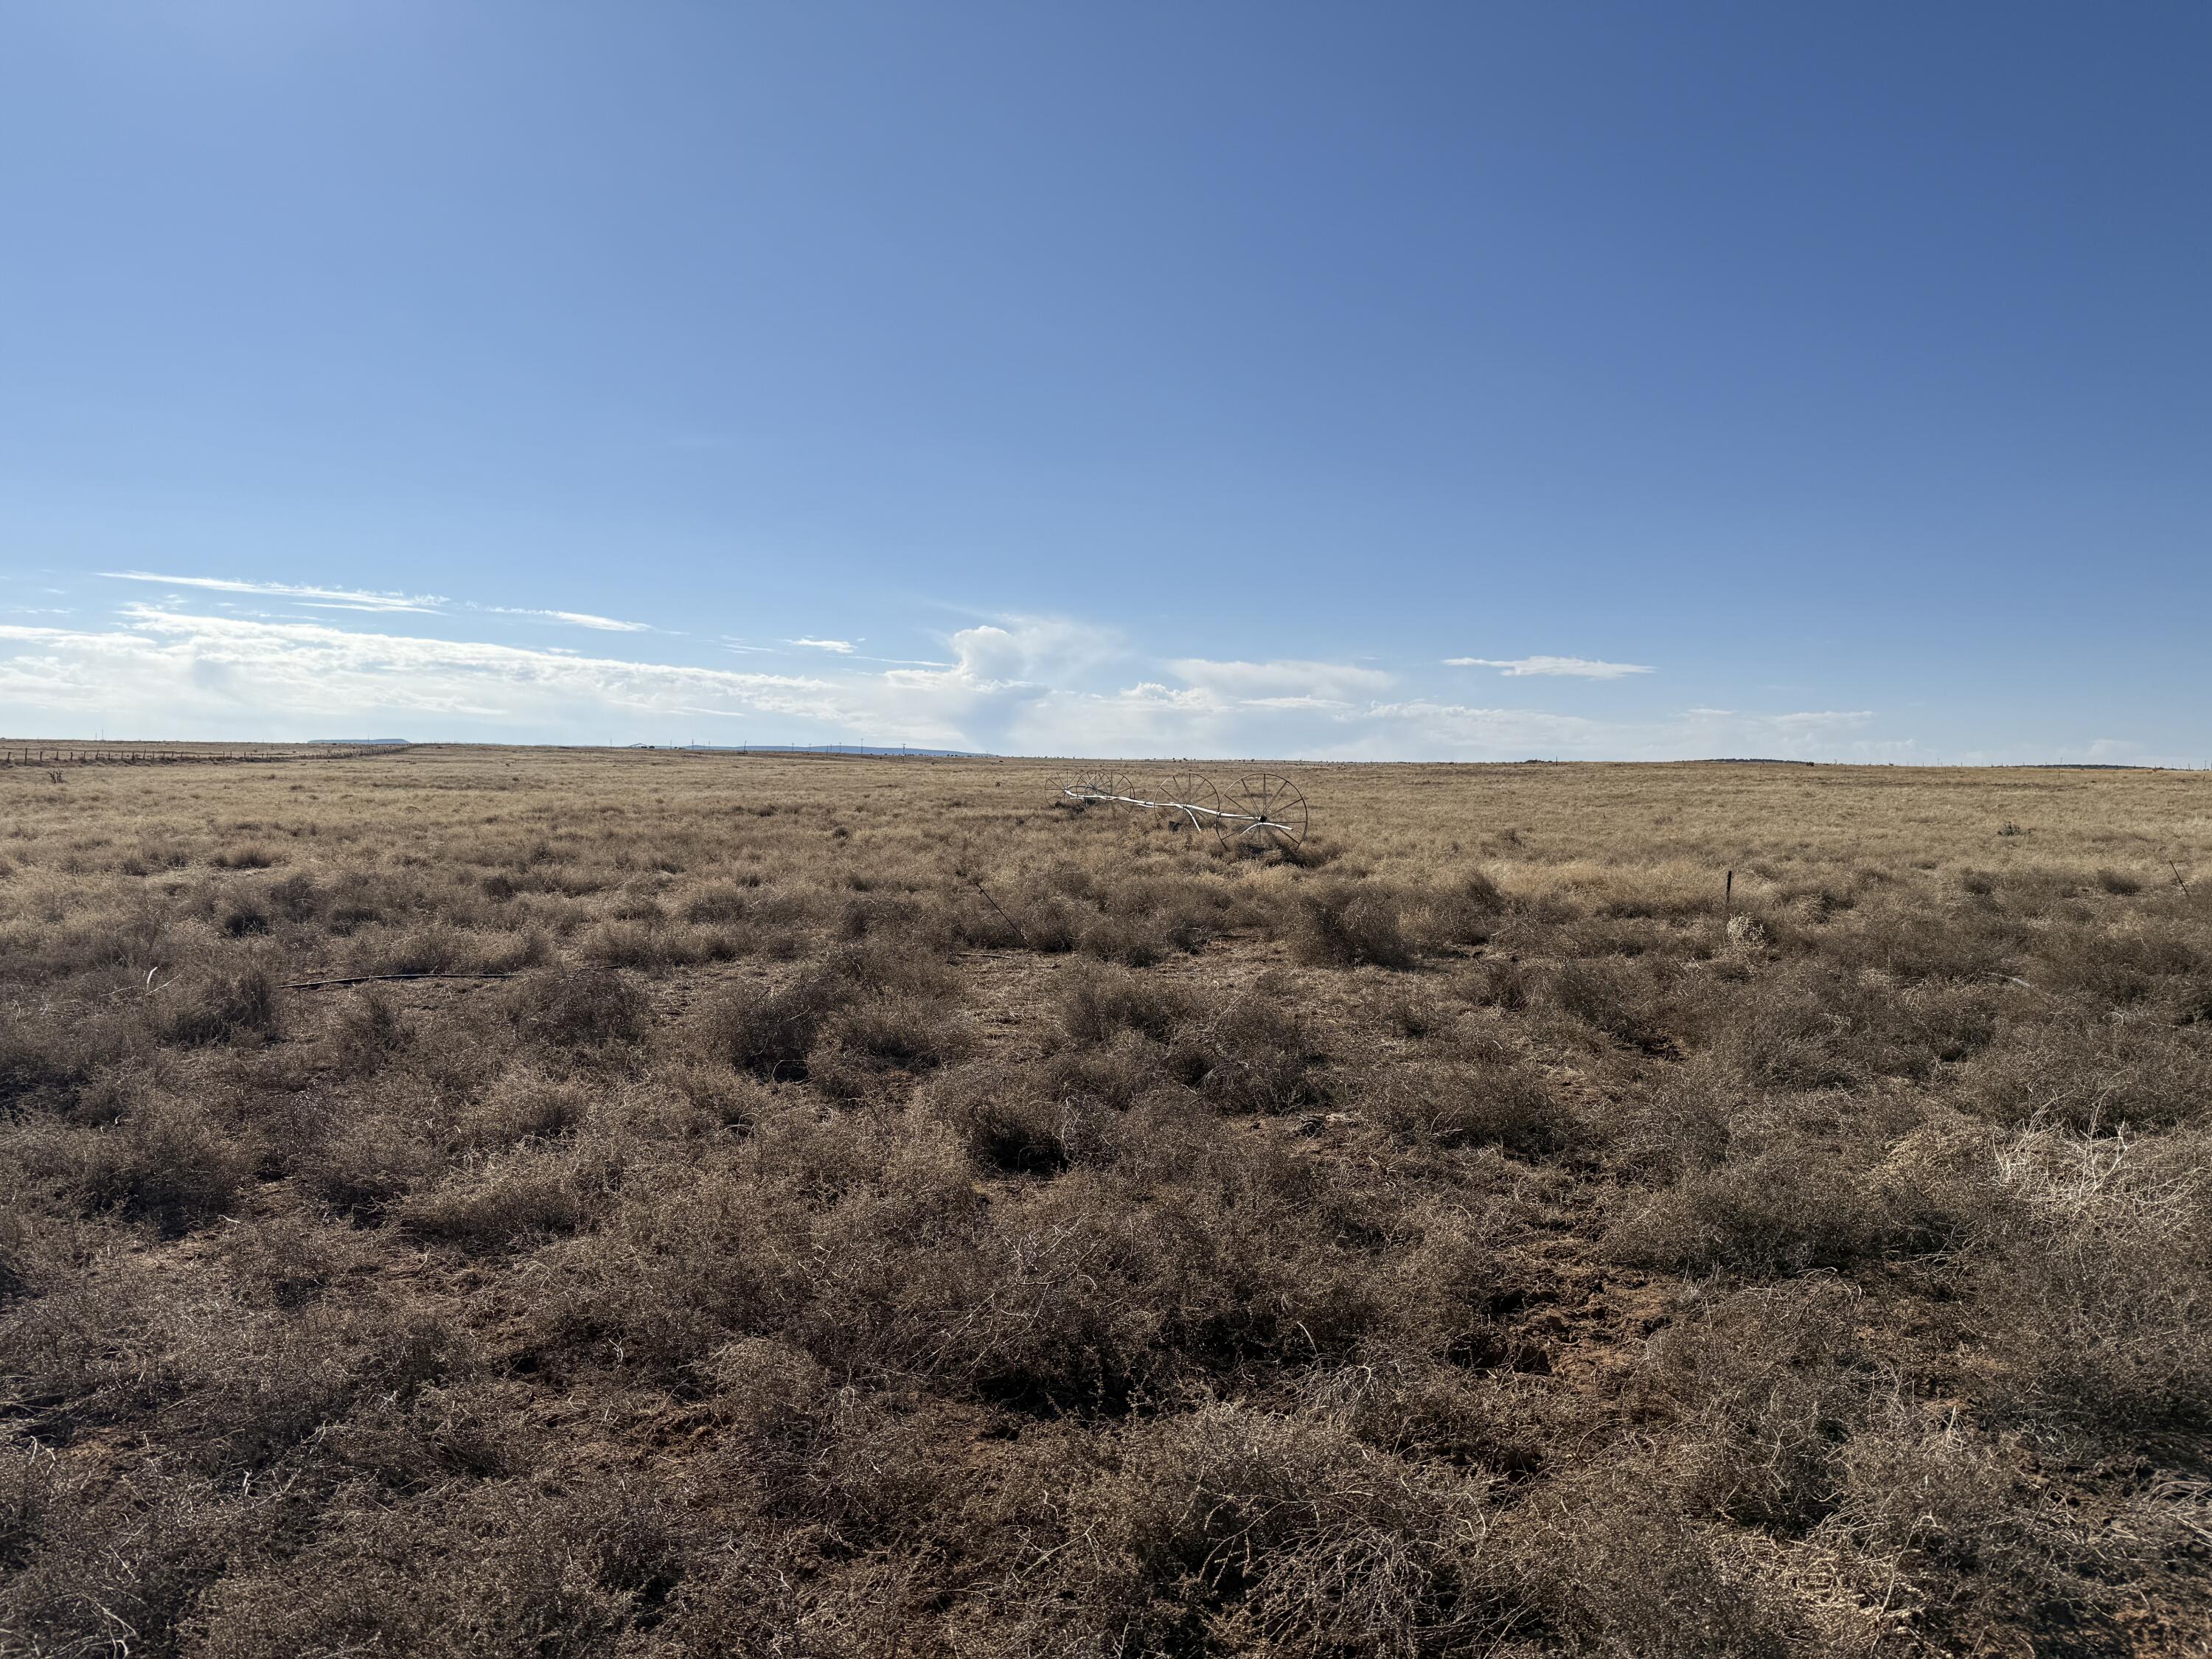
(360, 743)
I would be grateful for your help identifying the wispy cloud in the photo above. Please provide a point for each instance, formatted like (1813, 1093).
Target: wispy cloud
(335, 599)
(171, 666)
(1580, 668)
(574, 618)
(842, 647)
(314, 597)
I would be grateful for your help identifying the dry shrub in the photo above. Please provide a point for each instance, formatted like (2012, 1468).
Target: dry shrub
(466, 1430)
(865, 1009)
(156, 1158)
(519, 1106)
(1436, 1412)
(724, 902)
(1790, 1208)
(84, 1566)
(168, 1162)
(1620, 1576)
(1917, 1485)
(1762, 1387)
(360, 1164)
(579, 1008)
(913, 921)
(1499, 982)
(1143, 920)
(1096, 1003)
(1616, 998)
(2101, 1284)
(1037, 1354)
(555, 1568)
(1345, 924)
(1115, 1073)
(646, 944)
(897, 1033)
(1133, 941)
(426, 947)
(297, 898)
(1252, 1051)
(1463, 913)
(1452, 1104)
(44, 1249)
(217, 1004)
(242, 918)
(45, 1061)
(1007, 1121)
(504, 1202)
(1413, 1013)
(1232, 1530)
(854, 1237)
(367, 1032)
(828, 1457)
(1809, 1025)
(2097, 1079)
(2121, 965)
(1051, 925)
(1912, 946)
(1104, 1288)
(768, 1030)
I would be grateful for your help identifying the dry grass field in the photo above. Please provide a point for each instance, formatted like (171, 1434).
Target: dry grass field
(883, 1211)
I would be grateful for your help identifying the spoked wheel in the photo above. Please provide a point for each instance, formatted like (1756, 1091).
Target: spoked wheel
(1099, 789)
(1263, 812)
(1179, 791)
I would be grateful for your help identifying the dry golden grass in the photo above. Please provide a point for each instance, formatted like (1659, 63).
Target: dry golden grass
(882, 1209)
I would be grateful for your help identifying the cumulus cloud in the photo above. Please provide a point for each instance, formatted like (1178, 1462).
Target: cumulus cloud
(842, 647)
(1005, 679)
(1282, 682)
(1580, 668)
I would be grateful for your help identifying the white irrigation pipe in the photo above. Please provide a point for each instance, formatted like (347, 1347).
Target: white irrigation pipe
(1179, 805)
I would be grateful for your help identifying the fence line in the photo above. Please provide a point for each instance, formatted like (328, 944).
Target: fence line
(51, 755)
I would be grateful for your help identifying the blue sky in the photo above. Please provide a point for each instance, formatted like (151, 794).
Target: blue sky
(1407, 381)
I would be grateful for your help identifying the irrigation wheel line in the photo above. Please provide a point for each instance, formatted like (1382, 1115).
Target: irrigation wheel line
(1266, 808)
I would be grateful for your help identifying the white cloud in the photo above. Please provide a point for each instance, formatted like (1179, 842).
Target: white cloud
(322, 599)
(357, 599)
(1016, 685)
(170, 670)
(1283, 683)
(574, 618)
(842, 647)
(1581, 668)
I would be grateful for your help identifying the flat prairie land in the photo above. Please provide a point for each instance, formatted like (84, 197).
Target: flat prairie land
(849, 1207)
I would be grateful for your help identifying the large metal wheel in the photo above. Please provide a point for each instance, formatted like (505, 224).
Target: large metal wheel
(1178, 793)
(1264, 813)
(1100, 789)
